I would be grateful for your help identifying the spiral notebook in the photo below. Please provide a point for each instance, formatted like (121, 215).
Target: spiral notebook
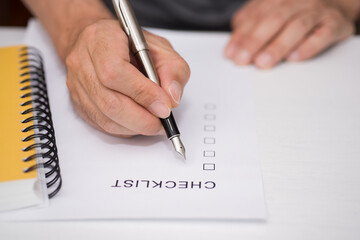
(29, 170)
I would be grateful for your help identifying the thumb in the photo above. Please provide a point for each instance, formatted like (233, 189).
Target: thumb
(172, 69)
(174, 75)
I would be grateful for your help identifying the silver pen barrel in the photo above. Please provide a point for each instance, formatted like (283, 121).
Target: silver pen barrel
(140, 50)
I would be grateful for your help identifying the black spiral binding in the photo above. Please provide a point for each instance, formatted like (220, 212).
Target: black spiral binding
(31, 65)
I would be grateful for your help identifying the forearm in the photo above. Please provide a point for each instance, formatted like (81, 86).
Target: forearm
(64, 19)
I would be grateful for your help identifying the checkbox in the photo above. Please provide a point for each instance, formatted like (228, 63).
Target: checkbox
(210, 106)
(209, 128)
(209, 153)
(209, 140)
(210, 117)
(209, 166)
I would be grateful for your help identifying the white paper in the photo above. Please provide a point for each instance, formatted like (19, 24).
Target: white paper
(217, 124)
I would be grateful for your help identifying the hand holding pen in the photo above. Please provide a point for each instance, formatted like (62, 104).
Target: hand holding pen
(107, 90)
(141, 52)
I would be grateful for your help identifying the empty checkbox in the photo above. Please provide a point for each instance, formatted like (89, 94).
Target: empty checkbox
(210, 106)
(209, 153)
(209, 166)
(209, 140)
(210, 117)
(209, 128)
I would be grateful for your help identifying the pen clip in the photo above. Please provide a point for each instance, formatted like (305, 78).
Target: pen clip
(120, 15)
(130, 25)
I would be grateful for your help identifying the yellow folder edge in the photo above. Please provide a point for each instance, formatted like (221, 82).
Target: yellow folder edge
(11, 144)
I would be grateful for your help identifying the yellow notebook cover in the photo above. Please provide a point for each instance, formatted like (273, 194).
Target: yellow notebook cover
(11, 144)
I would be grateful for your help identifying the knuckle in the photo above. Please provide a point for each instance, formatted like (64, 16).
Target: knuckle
(163, 41)
(110, 104)
(108, 75)
(71, 60)
(90, 30)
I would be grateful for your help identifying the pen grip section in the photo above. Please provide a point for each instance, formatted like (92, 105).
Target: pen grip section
(170, 126)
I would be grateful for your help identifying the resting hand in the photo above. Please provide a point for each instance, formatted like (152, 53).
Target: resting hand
(110, 92)
(266, 32)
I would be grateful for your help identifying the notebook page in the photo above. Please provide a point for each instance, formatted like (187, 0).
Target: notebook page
(105, 177)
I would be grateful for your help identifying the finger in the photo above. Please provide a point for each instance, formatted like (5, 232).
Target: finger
(249, 15)
(83, 115)
(243, 22)
(173, 77)
(242, 15)
(294, 32)
(172, 69)
(247, 46)
(109, 53)
(75, 99)
(116, 106)
(80, 110)
(90, 113)
(331, 31)
(126, 79)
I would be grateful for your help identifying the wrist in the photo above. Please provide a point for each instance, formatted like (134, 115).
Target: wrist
(64, 20)
(66, 38)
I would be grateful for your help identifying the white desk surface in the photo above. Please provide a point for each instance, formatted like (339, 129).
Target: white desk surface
(309, 147)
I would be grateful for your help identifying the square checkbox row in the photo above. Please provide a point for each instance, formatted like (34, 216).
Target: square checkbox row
(209, 140)
(209, 106)
(209, 166)
(210, 117)
(209, 153)
(210, 128)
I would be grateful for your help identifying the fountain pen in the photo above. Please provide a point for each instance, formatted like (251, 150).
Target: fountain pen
(139, 48)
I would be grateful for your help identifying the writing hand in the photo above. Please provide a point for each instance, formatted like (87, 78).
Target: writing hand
(109, 91)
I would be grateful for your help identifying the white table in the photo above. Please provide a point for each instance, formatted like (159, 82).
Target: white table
(309, 145)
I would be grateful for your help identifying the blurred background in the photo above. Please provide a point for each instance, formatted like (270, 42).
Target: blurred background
(13, 13)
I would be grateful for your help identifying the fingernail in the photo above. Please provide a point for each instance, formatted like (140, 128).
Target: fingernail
(230, 51)
(242, 57)
(294, 56)
(175, 91)
(264, 60)
(160, 109)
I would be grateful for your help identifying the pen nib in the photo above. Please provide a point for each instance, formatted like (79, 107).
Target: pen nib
(178, 145)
